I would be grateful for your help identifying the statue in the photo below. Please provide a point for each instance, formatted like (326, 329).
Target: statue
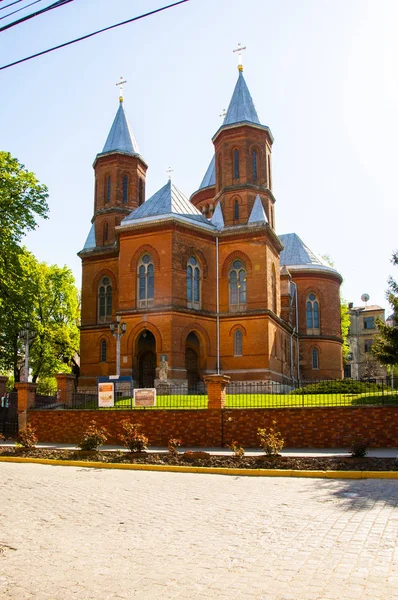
(163, 368)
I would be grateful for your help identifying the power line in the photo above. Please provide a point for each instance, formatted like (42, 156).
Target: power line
(84, 37)
(19, 9)
(35, 14)
(12, 4)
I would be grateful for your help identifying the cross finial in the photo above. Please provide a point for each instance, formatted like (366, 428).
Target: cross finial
(239, 51)
(224, 112)
(169, 171)
(120, 84)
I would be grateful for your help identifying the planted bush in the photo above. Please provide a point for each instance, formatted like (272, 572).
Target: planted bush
(237, 449)
(172, 445)
(271, 440)
(132, 438)
(339, 386)
(27, 438)
(359, 447)
(93, 437)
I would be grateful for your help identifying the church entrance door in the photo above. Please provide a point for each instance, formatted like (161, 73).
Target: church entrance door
(146, 359)
(192, 350)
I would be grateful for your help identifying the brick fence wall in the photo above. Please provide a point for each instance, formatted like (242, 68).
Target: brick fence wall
(301, 427)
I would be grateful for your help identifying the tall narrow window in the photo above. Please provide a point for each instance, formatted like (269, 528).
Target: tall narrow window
(236, 210)
(108, 188)
(312, 314)
(237, 286)
(103, 351)
(125, 189)
(273, 290)
(146, 281)
(269, 173)
(193, 283)
(140, 192)
(104, 300)
(236, 164)
(315, 358)
(219, 174)
(106, 232)
(238, 343)
(254, 163)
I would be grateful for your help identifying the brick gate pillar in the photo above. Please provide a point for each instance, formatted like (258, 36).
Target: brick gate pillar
(216, 394)
(3, 384)
(26, 398)
(65, 384)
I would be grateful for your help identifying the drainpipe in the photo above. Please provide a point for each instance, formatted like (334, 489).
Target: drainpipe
(297, 333)
(218, 309)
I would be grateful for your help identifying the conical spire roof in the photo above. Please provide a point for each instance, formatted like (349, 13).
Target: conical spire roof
(210, 176)
(120, 137)
(257, 214)
(241, 108)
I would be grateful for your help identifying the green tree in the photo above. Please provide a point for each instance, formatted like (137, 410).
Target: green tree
(345, 326)
(385, 347)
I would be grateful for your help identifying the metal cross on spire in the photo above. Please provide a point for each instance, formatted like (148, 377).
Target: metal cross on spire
(120, 84)
(169, 171)
(239, 51)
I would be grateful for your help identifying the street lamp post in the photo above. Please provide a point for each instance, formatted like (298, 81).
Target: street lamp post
(118, 330)
(27, 334)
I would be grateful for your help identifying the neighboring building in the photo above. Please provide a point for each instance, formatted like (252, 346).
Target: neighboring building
(361, 363)
(204, 283)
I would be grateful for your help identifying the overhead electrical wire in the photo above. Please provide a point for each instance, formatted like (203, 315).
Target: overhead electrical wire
(19, 9)
(84, 37)
(36, 14)
(11, 4)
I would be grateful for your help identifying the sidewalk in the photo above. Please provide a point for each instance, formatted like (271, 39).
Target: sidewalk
(373, 452)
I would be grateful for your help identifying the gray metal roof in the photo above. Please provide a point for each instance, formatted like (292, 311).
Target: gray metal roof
(217, 219)
(241, 108)
(121, 138)
(90, 241)
(168, 200)
(297, 254)
(257, 214)
(210, 176)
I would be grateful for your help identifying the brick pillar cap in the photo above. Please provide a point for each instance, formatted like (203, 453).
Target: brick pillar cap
(64, 376)
(25, 384)
(217, 378)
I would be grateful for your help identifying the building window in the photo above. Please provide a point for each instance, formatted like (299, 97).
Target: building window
(108, 188)
(315, 358)
(312, 315)
(219, 175)
(105, 300)
(368, 322)
(236, 210)
(103, 351)
(236, 164)
(269, 173)
(106, 232)
(146, 281)
(368, 345)
(273, 289)
(140, 192)
(125, 189)
(238, 343)
(193, 283)
(237, 286)
(254, 163)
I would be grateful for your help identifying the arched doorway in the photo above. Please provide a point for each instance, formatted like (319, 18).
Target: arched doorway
(146, 354)
(192, 353)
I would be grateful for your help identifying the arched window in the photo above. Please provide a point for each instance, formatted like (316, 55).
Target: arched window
(146, 281)
(237, 286)
(273, 290)
(254, 164)
(103, 349)
(104, 300)
(106, 232)
(236, 210)
(238, 343)
(107, 188)
(315, 358)
(140, 192)
(219, 174)
(193, 283)
(269, 173)
(125, 189)
(236, 164)
(312, 314)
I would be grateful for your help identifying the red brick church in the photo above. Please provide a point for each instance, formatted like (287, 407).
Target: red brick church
(205, 284)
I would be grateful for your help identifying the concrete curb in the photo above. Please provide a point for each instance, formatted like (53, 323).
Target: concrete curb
(208, 470)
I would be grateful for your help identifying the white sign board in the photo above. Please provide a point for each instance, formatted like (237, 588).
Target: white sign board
(106, 395)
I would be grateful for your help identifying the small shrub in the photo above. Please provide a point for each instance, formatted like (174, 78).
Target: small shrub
(172, 446)
(271, 440)
(131, 438)
(237, 449)
(27, 438)
(93, 437)
(2, 438)
(359, 447)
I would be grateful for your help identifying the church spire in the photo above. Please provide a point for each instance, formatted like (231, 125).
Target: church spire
(241, 108)
(121, 137)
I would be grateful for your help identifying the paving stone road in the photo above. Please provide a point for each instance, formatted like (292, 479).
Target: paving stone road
(81, 534)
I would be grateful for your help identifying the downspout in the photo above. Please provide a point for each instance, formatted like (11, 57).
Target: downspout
(217, 310)
(291, 339)
(297, 333)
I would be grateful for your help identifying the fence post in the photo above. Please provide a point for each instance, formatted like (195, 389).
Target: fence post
(3, 385)
(26, 398)
(65, 385)
(216, 396)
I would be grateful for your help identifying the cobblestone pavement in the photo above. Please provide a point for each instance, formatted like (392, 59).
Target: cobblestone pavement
(76, 533)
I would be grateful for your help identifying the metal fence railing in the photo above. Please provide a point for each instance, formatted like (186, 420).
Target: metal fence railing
(338, 392)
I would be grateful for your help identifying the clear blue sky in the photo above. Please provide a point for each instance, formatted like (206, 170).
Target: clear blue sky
(323, 75)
